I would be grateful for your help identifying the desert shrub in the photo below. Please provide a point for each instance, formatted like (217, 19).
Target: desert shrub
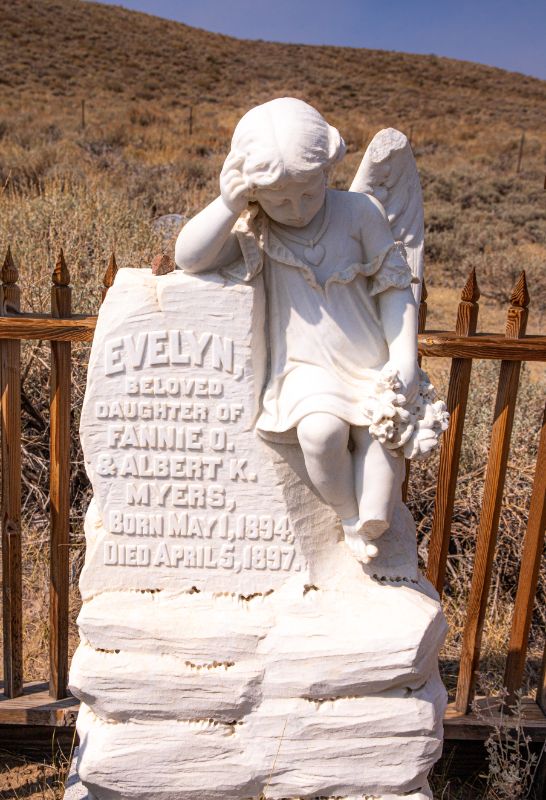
(87, 219)
(23, 170)
(143, 115)
(4, 127)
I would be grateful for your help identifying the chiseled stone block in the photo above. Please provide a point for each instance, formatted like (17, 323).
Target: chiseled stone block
(184, 493)
(231, 643)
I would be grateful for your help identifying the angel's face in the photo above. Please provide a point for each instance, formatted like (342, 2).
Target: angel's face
(293, 202)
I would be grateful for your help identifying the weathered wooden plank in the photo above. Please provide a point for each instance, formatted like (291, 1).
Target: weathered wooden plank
(12, 595)
(63, 330)
(32, 741)
(433, 344)
(450, 450)
(477, 726)
(35, 707)
(541, 689)
(59, 487)
(12, 592)
(38, 315)
(528, 574)
(491, 504)
(486, 346)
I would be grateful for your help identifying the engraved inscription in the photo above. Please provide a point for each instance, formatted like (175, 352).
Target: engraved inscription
(173, 428)
(258, 557)
(173, 348)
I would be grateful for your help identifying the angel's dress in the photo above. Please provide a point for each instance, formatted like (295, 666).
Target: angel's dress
(327, 345)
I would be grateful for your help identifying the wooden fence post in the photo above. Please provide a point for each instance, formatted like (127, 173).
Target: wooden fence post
(520, 152)
(450, 451)
(109, 275)
(59, 486)
(528, 575)
(422, 314)
(12, 591)
(492, 498)
(541, 691)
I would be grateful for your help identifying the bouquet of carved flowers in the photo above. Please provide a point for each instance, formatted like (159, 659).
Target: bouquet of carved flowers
(412, 430)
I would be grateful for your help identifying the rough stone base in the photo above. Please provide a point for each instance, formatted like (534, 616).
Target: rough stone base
(75, 790)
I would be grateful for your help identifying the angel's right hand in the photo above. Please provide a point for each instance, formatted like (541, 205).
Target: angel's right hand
(233, 186)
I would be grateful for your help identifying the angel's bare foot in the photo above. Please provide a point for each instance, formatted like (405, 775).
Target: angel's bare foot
(357, 541)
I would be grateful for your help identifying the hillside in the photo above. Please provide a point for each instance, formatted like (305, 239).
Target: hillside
(74, 49)
(134, 158)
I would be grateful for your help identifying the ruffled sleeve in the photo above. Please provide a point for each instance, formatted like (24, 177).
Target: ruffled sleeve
(393, 271)
(250, 231)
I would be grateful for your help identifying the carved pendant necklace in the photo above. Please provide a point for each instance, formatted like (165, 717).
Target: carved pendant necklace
(313, 252)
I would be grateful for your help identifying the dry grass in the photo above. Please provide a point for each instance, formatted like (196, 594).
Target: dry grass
(96, 188)
(465, 519)
(36, 776)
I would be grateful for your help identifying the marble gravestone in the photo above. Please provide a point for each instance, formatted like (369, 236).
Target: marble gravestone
(232, 644)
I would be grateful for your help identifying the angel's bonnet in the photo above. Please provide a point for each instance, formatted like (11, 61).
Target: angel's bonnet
(285, 137)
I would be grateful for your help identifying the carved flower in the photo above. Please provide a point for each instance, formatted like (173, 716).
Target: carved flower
(412, 431)
(421, 443)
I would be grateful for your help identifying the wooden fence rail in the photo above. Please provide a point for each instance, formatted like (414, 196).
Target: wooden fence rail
(38, 704)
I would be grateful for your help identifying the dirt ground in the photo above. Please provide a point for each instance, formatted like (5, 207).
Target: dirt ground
(22, 777)
(35, 769)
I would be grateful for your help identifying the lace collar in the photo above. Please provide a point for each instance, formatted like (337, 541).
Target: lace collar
(280, 253)
(256, 237)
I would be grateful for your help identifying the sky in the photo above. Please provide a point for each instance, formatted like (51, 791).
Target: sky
(504, 33)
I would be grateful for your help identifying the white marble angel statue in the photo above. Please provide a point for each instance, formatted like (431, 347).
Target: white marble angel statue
(342, 316)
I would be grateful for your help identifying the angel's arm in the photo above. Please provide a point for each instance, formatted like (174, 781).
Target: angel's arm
(398, 313)
(397, 307)
(206, 241)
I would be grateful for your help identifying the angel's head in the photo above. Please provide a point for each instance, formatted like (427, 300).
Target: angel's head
(287, 149)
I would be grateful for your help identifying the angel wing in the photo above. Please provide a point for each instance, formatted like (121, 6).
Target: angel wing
(388, 172)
